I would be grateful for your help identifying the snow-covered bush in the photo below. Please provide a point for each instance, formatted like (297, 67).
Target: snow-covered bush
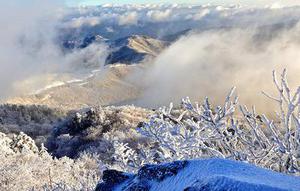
(88, 130)
(24, 114)
(201, 130)
(26, 167)
(36, 121)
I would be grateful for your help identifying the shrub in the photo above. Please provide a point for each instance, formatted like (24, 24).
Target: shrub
(26, 167)
(36, 121)
(197, 131)
(85, 131)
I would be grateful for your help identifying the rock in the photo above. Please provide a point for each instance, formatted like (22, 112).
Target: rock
(111, 178)
(200, 175)
(144, 176)
(160, 172)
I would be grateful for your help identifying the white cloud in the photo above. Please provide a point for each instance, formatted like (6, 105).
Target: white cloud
(276, 5)
(84, 21)
(210, 63)
(159, 15)
(110, 29)
(29, 47)
(107, 5)
(201, 14)
(192, 62)
(220, 8)
(134, 14)
(128, 19)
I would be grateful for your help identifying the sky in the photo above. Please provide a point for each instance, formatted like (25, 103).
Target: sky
(219, 2)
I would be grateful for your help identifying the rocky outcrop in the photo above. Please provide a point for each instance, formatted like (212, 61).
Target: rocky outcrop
(148, 173)
(111, 179)
(199, 175)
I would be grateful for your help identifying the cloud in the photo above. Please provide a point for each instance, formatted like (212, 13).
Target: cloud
(128, 19)
(228, 46)
(82, 21)
(29, 44)
(159, 15)
(27, 38)
(282, 3)
(210, 63)
(276, 5)
(150, 17)
(201, 14)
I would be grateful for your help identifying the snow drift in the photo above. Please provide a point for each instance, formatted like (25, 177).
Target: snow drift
(199, 175)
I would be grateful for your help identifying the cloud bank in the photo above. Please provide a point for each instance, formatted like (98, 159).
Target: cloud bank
(160, 20)
(24, 42)
(29, 46)
(210, 63)
(226, 46)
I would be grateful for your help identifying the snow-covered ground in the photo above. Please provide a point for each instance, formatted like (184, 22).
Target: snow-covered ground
(79, 78)
(199, 175)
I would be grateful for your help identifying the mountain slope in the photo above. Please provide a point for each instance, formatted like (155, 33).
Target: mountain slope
(134, 49)
(108, 86)
(82, 43)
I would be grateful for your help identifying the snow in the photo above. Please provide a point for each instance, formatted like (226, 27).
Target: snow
(77, 78)
(74, 81)
(221, 174)
(52, 85)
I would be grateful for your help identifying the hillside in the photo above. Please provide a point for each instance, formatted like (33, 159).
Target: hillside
(134, 49)
(108, 86)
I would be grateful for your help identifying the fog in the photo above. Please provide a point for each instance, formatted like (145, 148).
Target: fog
(29, 47)
(210, 63)
(227, 46)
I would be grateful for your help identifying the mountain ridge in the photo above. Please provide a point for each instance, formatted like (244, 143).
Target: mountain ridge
(134, 49)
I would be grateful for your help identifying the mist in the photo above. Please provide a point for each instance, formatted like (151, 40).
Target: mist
(211, 62)
(29, 46)
(227, 46)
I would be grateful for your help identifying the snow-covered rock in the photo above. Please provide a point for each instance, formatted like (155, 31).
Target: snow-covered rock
(199, 175)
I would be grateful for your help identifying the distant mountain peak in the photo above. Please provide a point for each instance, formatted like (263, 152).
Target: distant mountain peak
(134, 49)
(83, 43)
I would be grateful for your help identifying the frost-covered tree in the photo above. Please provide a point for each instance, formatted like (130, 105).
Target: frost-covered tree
(202, 130)
(24, 166)
(84, 130)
